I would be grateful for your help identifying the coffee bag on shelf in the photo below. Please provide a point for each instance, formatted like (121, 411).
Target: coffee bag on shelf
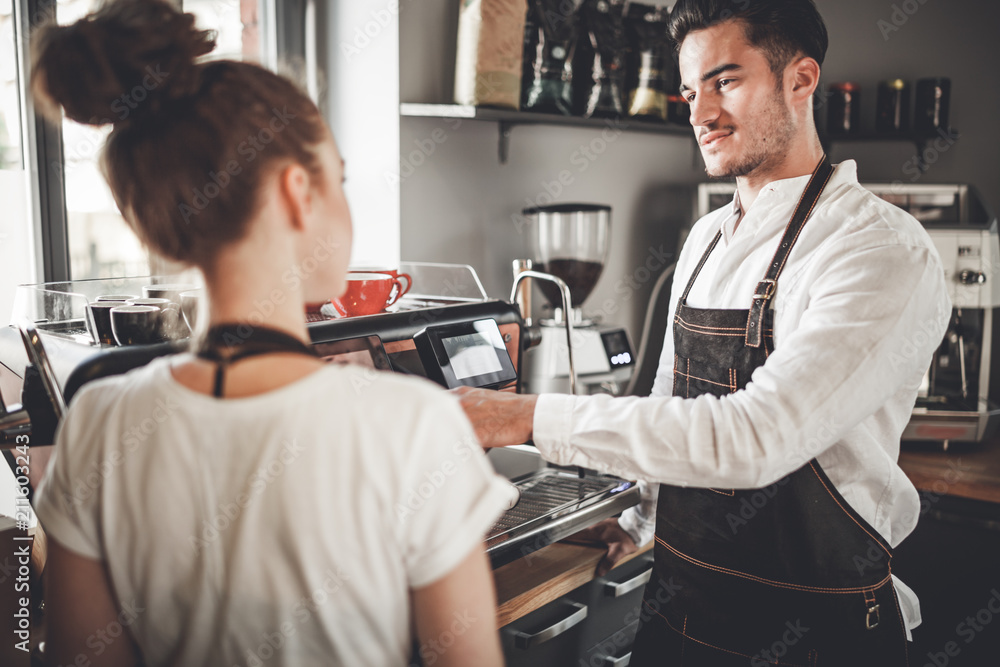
(488, 58)
(550, 34)
(650, 62)
(599, 85)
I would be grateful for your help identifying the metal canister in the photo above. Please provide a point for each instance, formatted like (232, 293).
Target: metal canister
(844, 108)
(931, 107)
(893, 114)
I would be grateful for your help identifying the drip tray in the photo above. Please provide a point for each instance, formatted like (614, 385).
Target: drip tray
(555, 504)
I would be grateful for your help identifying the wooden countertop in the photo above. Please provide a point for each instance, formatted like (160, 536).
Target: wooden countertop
(966, 470)
(545, 575)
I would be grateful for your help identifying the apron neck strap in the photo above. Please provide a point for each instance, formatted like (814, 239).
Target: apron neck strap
(766, 288)
(226, 344)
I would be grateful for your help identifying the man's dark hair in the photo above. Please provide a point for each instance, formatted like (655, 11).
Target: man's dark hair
(781, 29)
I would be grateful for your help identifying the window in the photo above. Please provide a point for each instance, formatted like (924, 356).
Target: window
(100, 243)
(17, 264)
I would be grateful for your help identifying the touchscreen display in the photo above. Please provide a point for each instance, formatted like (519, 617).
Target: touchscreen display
(471, 355)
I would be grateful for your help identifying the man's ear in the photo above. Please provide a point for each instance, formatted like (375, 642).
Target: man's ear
(296, 190)
(804, 74)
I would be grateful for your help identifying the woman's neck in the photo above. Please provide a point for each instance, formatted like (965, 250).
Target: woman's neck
(255, 294)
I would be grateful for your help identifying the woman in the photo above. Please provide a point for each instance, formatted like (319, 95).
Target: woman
(248, 504)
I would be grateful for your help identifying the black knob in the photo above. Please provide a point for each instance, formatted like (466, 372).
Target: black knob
(970, 277)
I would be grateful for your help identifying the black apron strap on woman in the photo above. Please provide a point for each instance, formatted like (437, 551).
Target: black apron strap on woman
(226, 344)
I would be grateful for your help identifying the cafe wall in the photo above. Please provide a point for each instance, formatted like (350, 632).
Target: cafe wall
(459, 204)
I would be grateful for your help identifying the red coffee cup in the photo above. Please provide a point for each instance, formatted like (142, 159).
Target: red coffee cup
(368, 294)
(401, 277)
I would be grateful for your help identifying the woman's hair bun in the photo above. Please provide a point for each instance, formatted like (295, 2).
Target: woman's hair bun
(128, 58)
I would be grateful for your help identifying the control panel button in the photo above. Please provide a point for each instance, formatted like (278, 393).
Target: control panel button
(970, 277)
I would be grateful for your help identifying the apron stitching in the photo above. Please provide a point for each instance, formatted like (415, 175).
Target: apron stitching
(695, 327)
(695, 377)
(678, 318)
(813, 657)
(802, 198)
(731, 492)
(739, 332)
(849, 515)
(688, 394)
(685, 636)
(825, 181)
(771, 582)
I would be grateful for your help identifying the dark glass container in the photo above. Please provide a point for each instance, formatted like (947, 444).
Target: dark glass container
(843, 115)
(931, 105)
(893, 116)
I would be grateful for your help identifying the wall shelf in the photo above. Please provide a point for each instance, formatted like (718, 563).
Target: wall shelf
(506, 119)
(919, 141)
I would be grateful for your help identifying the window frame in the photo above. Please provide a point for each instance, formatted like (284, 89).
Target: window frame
(282, 36)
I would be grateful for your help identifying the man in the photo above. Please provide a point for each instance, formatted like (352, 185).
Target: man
(804, 318)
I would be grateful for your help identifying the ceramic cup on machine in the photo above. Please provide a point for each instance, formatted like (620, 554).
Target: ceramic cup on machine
(405, 281)
(171, 292)
(136, 325)
(368, 294)
(116, 297)
(190, 304)
(170, 325)
(99, 321)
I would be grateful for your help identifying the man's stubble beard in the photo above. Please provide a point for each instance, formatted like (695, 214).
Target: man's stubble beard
(759, 153)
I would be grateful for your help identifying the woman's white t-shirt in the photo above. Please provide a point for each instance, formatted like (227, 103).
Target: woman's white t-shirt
(281, 529)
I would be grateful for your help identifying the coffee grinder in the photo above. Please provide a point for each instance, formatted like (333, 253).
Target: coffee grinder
(569, 246)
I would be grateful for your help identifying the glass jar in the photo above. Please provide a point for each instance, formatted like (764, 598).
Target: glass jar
(893, 116)
(932, 101)
(843, 109)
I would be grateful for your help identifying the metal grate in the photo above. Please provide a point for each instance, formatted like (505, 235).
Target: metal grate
(549, 494)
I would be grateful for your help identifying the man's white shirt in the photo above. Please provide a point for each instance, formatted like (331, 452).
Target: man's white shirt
(860, 307)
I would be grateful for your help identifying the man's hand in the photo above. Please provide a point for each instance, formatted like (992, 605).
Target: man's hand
(500, 418)
(609, 533)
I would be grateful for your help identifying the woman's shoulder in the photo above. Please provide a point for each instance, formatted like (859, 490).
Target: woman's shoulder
(113, 388)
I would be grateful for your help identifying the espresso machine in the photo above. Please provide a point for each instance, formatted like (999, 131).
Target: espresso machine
(569, 246)
(959, 398)
(445, 329)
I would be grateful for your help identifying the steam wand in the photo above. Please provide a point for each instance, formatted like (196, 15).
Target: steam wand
(520, 274)
(566, 303)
